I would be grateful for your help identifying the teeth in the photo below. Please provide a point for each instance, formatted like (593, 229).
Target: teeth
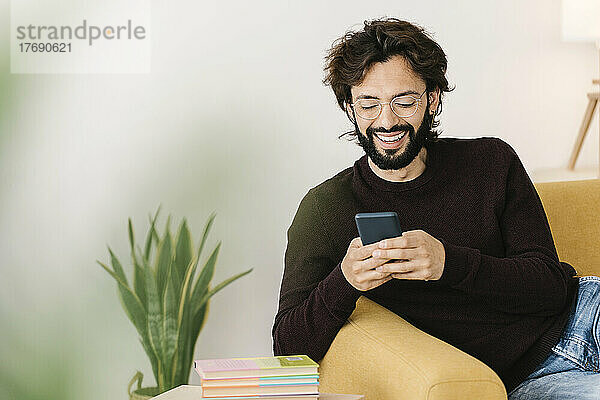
(391, 139)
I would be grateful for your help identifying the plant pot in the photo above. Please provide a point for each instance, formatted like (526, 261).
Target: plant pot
(140, 393)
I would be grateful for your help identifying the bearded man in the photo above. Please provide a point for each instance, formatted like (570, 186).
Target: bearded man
(476, 265)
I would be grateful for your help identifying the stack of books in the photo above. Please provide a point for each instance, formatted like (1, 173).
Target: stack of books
(281, 377)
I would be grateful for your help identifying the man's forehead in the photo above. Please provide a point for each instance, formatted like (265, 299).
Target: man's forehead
(389, 79)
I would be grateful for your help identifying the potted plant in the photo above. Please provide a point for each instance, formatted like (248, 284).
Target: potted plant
(167, 303)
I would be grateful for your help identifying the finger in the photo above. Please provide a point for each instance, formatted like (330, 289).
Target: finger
(372, 263)
(369, 264)
(356, 242)
(378, 282)
(420, 275)
(368, 279)
(399, 254)
(373, 275)
(364, 252)
(400, 267)
(403, 242)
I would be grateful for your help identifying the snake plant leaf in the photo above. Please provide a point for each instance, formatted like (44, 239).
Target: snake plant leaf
(151, 355)
(152, 235)
(209, 223)
(183, 316)
(198, 322)
(131, 304)
(164, 259)
(154, 318)
(117, 266)
(206, 275)
(138, 277)
(169, 320)
(200, 317)
(187, 284)
(139, 280)
(217, 288)
(183, 254)
(131, 235)
(202, 287)
(183, 339)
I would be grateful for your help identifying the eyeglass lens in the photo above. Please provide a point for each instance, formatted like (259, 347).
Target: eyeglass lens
(403, 106)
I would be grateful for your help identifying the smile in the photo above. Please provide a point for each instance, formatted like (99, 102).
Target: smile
(391, 141)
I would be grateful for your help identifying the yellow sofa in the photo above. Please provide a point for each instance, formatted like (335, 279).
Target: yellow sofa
(380, 355)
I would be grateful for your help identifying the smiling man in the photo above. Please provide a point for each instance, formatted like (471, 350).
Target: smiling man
(390, 141)
(476, 265)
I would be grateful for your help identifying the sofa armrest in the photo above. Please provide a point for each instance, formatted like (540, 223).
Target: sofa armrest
(380, 355)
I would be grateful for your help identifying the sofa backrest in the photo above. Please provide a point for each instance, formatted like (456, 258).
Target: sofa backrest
(573, 210)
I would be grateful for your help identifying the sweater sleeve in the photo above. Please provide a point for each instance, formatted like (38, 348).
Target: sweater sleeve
(315, 298)
(529, 279)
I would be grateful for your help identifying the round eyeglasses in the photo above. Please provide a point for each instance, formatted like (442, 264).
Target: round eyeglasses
(402, 106)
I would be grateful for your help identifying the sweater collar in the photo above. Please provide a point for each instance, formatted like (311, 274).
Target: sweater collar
(365, 175)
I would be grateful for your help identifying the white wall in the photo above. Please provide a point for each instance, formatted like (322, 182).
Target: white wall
(234, 118)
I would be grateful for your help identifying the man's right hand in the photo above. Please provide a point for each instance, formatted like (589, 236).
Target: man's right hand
(358, 266)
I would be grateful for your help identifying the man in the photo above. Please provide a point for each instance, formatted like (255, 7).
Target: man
(476, 265)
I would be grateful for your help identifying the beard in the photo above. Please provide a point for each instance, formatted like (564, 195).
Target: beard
(395, 158)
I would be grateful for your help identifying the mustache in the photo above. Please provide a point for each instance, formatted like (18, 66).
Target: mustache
(395, 128)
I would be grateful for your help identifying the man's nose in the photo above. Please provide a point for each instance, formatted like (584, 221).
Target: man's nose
(387, 118)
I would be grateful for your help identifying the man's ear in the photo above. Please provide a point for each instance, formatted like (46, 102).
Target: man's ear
(434, 100)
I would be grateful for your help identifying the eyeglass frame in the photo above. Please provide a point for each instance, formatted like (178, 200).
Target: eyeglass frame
(382, 103)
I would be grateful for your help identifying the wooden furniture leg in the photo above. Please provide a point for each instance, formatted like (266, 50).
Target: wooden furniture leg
(585, 125)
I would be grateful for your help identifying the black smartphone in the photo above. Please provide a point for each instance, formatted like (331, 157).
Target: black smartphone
(373, 227)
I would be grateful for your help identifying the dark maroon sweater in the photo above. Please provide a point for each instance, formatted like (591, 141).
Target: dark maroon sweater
(504, 297)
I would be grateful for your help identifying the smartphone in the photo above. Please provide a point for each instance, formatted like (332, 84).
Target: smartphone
(373, 227)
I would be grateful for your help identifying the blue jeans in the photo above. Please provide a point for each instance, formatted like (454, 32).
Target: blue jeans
(572, 369)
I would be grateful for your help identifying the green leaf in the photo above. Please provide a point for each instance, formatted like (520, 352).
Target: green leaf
(183, 315)
(130, 302)
(182, 354)
(155, 236)
(183, 254)
(131, 236)
(169, 320)
(168, 224)
(164, 259)
(206, 275)
(198, 321)
(182, 358)
(139, 280)
(138, 277)
(151, 235)
(220, 286)
(200, 317)
(151, 355)
(209, 223)
(154, 320)
(117, 266)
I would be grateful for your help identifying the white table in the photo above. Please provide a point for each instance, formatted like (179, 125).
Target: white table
(193, 392)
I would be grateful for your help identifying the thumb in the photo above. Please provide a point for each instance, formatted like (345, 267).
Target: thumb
(356, 242)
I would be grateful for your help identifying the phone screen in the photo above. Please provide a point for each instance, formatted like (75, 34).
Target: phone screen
(373, 227)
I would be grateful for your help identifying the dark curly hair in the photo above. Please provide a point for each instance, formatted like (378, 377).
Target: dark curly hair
(351, 56)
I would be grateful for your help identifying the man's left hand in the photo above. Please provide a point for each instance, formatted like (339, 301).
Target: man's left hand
(418, 256)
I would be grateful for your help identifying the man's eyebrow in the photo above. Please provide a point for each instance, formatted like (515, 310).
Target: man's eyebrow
(366, 96)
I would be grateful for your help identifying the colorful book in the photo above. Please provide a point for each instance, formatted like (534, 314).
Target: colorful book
(256, 367)
(232, 391)
(268, 397)
(265, 381)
